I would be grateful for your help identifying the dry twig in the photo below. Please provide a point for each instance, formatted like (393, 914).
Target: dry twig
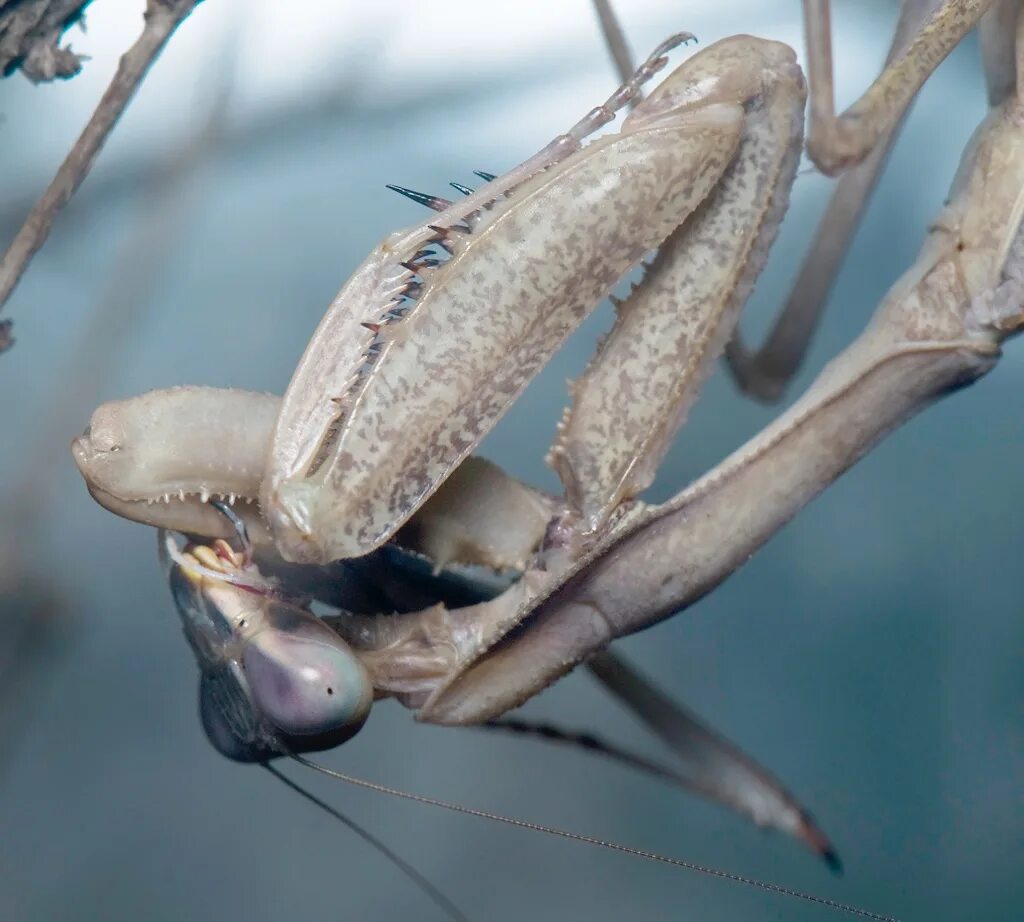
(162, 17)
(615, 39)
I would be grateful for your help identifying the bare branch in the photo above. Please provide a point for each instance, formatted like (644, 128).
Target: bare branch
(166, 197)
(162, 17)
(615, 38)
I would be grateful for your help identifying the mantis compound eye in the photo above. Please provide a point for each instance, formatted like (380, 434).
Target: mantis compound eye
(306, 681)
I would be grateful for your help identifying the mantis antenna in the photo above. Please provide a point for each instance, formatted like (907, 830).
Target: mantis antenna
(591, 840)
(437, 897)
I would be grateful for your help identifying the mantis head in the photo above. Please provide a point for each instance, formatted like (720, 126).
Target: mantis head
(275, 680)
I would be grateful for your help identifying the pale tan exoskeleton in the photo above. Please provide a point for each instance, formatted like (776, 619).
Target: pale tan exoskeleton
(436, 334)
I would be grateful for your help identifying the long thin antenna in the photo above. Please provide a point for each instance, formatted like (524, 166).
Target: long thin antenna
(436, 896)
(590, 840)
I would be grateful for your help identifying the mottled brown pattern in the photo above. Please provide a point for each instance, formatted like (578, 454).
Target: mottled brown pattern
(491, 317)
(380, 418)
(670, 330)
(939, 328)
(834, 142)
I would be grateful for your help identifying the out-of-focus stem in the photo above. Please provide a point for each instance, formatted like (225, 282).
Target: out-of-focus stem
(162, 18)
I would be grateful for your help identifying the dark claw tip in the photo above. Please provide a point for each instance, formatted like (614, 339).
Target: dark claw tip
(815, 838)
(832, 860)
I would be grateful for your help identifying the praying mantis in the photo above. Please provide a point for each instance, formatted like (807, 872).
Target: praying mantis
(596, 563)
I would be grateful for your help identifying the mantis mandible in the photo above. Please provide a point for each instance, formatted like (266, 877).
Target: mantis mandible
(440, 329)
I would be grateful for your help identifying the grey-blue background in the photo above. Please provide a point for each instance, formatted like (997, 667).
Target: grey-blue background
(870, 655)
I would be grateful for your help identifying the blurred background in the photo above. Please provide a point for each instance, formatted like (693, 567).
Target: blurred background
(870, 655)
